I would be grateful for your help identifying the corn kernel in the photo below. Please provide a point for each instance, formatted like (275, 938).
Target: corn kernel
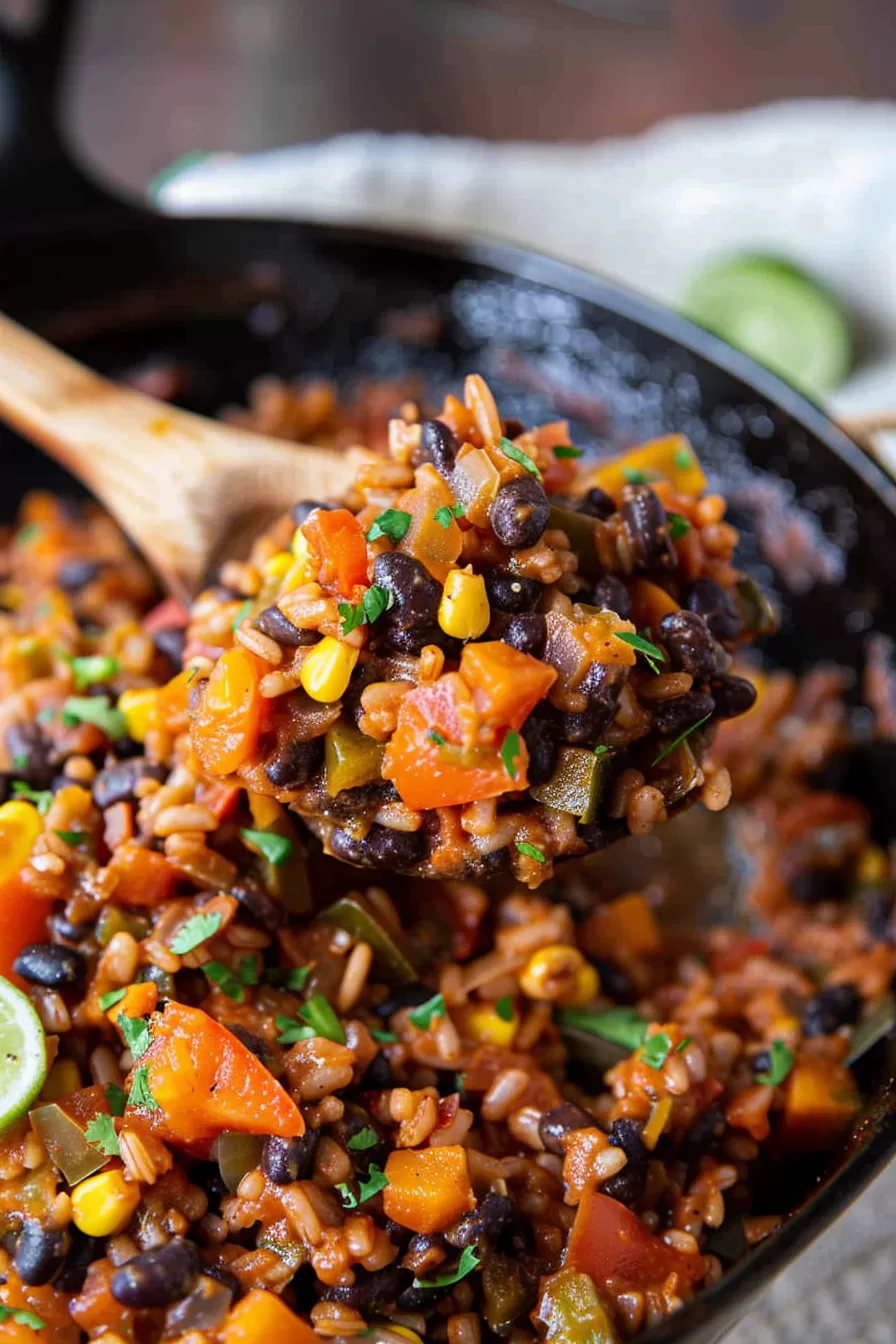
(873, 867)
(406, 1332)
(299, 545)
(139, 710)
(327, 669)
(103, 1205)
(586, 987)
(279, 565)
(63, 1078)
(464, 611)
(20, 825)
(552, 973)
(483, 1023)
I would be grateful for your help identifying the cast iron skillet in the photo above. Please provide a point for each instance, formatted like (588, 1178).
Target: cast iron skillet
(232, 299)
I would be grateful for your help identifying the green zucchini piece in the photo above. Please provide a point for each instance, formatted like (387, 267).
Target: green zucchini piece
(578, 783)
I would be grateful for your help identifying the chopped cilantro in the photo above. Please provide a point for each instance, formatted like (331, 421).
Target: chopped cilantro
(635, 477)
(652, 655)
(232, 982)
(678, 526)
(93, 670)
(469, 1260)
(383, 1037)
(20, 1316)
(517, 455)
(321, 1018)
(436, 737)
(20, 760)
(275, 848)
(364, 1139)
(683, 459)
(445, 515)
(422, 1016)
(393, 523)
(135, 1031)
(73, 838)
(566, 450)
(98, 710)
(530, 851)
(504, 1008)
(140, 1094)
(244, 610)
(115, 1099)
(196, 930)
(601, 749)
(510, 750)
(655, 1050)
(109, 1000)
(622, 1026)
(372, 605)
(41, 798)
(780, 1064)
(100, 1132)
(676, 742)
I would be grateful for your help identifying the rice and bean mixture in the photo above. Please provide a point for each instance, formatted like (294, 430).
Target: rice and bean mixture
(280, 1107)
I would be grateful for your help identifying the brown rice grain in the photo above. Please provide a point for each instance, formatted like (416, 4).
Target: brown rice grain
(185, 817)
(716, 792)
(241, 935)
(464, 1329)
(52, 1011)
(81, 769)
(103, 1065)
(261, 645)
(667, 686)
(354, 977)
(145, 1159)
(120, 958)
(644, 808)
(505, 1093)
(240, 577)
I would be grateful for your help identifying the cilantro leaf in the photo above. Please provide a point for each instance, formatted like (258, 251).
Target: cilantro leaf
(109, 1000)
(364, 1139)
(504, 1008)
(322, 1019)
(372, 605)
(98, 710)
(20, 761)
(140, 1094)
(92, 670)
(510, 750)
(468, 1261)
(291, 977)
(445, 515)
(227, 980)
(780, 1064)
(135, 1031)
(275, 848)
(196, 930)
(20, 1316)
(393, 523)
(601, 749)
(635, 477)
(352, 617)
(530, 851)
(383, 1037)
(678, 526)
(375, 1182)
(41, 798)
(566, 450)
(101, 1134)
(73, 838)
(244, 610)
(115, 1099)
(683, 459)
(676, 742)
(622, 1026)
(652, 654)
(655, 1050)
(436, 737)
(422, 1016)
(290, 1031)
(517, 455)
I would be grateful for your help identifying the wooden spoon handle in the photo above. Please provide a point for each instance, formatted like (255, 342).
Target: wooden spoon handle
(179, 484)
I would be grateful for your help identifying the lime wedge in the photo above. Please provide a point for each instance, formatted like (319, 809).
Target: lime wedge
(23, 1054)
(776, 313)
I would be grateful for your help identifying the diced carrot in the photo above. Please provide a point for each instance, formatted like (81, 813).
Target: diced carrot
(612, 1246)
(820, 1101)
(142, 877)
(206, 1081)
(460, 420)
(650, 603)
(44, 1301)
(626, 925)
(428, 1188)
(557, 472)
(427, 540)
(226, 728)
(335, 537)
(172, 701)
(506, 684)
(23, 920)
(139, 1001)
(261, 1318)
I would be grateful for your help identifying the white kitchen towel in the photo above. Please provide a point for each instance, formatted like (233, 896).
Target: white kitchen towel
(814, 181)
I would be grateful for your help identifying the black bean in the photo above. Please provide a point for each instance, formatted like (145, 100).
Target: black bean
(163, 980)
(380, 848)
(51, 965)
(75, 574)
(40, 1252)
(596, 504)
(378, 1074)
(286, 1160)
(82, 1254)
(117, 782)
(644, 520)
(225, 1276)
(264, 907)
(628, 1184)
(689, 644)
(511, 592)
(301, 512)
(487, 1221)
(437, 445)
(706, 1129)
(540, 736)
(257, 1044)
(717, 607)
(202, 1310)
(877, 908)
(626, 1134)
(158, 1277)
(616, 983)
(603, 685)
(292, 764)
(520, 513)
(171, 644)
(409, 996)
(415, 593)
(814, 886)
(273, 623)
(836, 1006)
(411, 640)
(66, 931)
(527, 632)
(379, 1288)
(30, 752)
(419, 1299)
(611, 594)
(732, 695)
(494, 862)
(562, 1120)
(672, 717)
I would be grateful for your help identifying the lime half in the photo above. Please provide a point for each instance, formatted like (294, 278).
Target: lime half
(776, 313)
(23, 1054)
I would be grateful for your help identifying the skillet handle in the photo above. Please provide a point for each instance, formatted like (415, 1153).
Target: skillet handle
(39, 180)
(865, 430)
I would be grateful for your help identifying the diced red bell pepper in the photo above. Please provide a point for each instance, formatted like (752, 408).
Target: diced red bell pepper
(613, 1247)
(336, 538)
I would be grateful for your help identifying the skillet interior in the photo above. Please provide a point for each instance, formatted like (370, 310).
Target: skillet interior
(234, 299)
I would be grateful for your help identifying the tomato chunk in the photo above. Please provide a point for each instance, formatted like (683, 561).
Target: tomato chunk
(336, 538)
(612, 1246)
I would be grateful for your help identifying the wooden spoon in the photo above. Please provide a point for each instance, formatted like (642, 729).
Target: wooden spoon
(184, 488)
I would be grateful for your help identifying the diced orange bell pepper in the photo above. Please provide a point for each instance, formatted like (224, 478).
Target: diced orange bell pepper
(429, 772)
(46, 1303)
(139, 1001)
(506, 684)
(142, 877)
(172, 701)
(94, 1306)
(820, 1101)
(205, 1081)
(336, 538)
(23, 920)
(226, 728)
(428, 1188)
(614, 1248)
(461, 421)
(671, 457)
(626, 925)
(261, 1318)
(650, 603)
(427, 540)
